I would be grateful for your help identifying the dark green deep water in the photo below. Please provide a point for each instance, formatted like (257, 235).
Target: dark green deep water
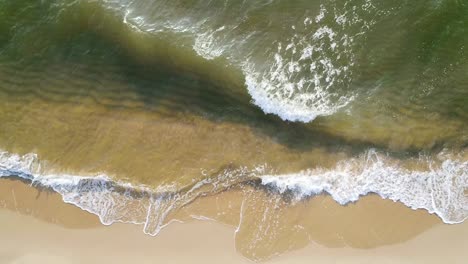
(373, 65)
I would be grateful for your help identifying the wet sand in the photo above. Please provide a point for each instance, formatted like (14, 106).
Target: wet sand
(37, 227)
(26, 239)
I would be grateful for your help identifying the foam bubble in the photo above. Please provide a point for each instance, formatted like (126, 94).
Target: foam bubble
(311, 76)
(206, 44)
(308, 78)
(440, 189)
(115, 201)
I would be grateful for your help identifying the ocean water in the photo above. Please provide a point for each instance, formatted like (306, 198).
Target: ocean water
(133, 110)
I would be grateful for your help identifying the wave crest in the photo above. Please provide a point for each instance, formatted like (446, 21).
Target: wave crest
(440, 190)
(298, 77)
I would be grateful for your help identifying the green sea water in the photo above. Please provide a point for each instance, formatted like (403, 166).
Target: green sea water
(174, 95)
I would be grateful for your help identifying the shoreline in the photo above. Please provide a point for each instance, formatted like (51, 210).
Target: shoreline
(29, 240)
(35, 222)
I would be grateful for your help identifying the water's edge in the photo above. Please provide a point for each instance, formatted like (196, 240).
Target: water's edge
(440, 191)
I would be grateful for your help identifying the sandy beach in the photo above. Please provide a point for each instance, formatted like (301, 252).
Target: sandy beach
(37, 227)
(26, 239)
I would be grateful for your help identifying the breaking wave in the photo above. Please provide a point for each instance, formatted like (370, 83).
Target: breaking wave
(305, 75)
(440, 189)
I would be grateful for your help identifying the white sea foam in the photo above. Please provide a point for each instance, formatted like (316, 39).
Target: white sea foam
(98, 194)
(206, 44)
(308, 74)
(311, 75)
(440, 189)
(115, 201)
